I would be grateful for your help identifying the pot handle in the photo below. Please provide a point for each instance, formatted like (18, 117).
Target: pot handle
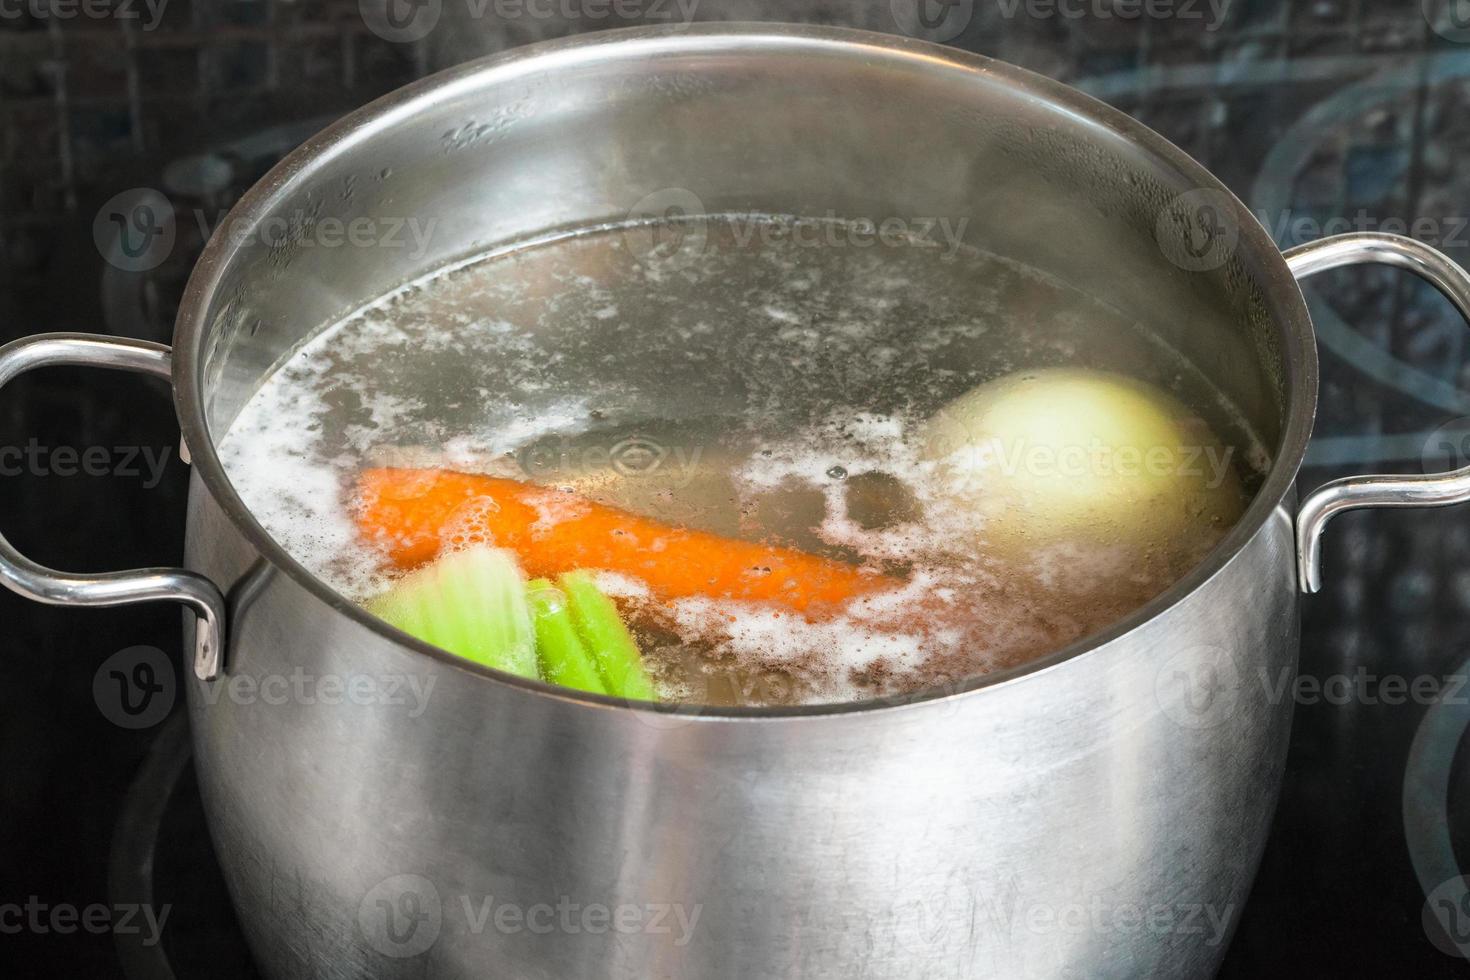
(25, 577)
(1352, 493)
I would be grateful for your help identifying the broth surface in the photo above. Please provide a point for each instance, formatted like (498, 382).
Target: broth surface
(756, 377)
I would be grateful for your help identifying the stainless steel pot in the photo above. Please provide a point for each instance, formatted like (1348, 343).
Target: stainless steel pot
(1098, 813)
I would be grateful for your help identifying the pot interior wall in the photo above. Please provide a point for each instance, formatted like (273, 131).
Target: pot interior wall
(807, 123)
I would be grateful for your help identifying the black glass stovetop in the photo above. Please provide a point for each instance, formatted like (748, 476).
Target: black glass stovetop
(1323, 116)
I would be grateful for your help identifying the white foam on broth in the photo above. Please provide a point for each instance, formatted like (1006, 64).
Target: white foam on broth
(781, 389)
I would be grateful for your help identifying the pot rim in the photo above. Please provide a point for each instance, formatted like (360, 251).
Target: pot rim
(1298, 347)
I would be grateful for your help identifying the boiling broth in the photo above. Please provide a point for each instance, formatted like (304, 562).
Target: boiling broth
(756, 377)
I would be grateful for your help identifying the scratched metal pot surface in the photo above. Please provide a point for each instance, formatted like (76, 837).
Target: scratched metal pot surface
(1338, 889)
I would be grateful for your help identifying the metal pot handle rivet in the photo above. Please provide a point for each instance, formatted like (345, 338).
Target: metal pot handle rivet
(1408, 490)
(21, 575)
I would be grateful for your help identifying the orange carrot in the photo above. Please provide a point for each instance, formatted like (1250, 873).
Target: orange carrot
(414, 513)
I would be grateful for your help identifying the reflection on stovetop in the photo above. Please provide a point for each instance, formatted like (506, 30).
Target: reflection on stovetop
(1313, 112)
(162, 859)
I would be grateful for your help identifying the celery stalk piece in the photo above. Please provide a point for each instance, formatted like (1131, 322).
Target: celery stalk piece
(472, 603)
(601, 628)
(564, 658)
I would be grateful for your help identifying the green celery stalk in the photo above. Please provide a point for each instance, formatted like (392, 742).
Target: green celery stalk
(564, 658)
(601, 629)
(472, 603)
